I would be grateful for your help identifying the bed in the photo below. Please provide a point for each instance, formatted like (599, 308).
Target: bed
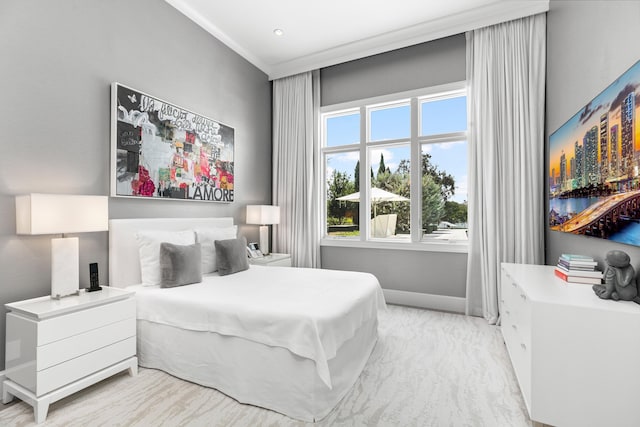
(291, 340)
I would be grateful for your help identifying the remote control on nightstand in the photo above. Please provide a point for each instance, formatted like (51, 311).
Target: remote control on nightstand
(93, 278)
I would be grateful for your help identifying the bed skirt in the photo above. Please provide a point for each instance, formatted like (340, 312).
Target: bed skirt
(253, 373)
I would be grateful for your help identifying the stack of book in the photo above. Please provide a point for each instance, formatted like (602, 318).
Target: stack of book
(578, 269)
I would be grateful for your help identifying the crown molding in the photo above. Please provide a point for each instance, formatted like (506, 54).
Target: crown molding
(480, 17)
(471, 19)
(196, 17)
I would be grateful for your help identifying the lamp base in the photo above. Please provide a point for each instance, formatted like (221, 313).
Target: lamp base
(65, 262)
(264, 239)
(94, 288)
(59, 297)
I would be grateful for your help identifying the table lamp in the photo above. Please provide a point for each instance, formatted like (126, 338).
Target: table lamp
(264, 215)
(62, 214)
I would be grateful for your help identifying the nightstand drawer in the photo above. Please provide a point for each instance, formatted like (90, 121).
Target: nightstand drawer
(72, 370)
(272, 260)
(281, 263)
(58, 328)
(60, 351)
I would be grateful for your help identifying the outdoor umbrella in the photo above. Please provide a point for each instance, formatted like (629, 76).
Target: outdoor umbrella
(377, 195)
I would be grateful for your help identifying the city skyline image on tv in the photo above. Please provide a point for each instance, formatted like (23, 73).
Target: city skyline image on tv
(594, 166)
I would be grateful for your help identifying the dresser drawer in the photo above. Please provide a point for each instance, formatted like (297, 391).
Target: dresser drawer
(57, 352)
(509, 292)
(522, 316)
(62, 327)
(521, 359)
(65, 373)
(516, 330)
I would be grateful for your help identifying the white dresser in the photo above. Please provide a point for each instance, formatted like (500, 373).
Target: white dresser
(576, 357)
(57, 347)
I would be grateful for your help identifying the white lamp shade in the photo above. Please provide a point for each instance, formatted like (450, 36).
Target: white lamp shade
(61, 213)
(263, 214)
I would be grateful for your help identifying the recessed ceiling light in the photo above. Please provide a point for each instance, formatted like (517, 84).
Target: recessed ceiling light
(278, 32)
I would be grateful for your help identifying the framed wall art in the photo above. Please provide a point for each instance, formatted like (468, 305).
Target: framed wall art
(162, 151)
(594, 166)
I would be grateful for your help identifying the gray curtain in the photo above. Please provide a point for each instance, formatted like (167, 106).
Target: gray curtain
(296, 105)
(506, 77)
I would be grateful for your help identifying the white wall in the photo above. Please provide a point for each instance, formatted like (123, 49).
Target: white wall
(58, 59)
(428, 64)
(589, 45)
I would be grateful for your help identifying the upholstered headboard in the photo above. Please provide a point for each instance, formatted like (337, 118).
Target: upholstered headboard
(124, 262)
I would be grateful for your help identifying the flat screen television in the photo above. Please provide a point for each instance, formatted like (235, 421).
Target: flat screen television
(594, 166)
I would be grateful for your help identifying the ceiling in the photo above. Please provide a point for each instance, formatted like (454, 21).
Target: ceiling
(322, 33)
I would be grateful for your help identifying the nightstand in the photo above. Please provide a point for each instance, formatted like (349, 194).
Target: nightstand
(57, 347)
(272, 260)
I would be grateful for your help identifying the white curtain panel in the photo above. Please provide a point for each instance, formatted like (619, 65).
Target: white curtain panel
(296, 105)
(506, 77)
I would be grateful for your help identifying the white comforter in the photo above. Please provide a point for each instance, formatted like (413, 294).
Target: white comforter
(311, 312)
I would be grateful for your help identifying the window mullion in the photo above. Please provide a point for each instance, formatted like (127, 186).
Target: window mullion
(448, 137)
(365, 179)
(323, 193)
(341, 149)
(389, 143)
(416, 175)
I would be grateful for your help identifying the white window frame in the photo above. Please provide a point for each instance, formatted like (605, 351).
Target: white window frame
(415, 141)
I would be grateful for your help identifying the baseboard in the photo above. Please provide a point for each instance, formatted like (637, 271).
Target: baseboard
(430, 301)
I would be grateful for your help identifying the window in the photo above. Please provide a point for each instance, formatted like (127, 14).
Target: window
(342, 201)
(390, 122)
(383, 145)
(444, 190)
(390, 195)
(443, 126)
(343, 129)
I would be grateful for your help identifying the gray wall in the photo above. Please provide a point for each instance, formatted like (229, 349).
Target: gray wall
(437, 273)
(428, 64)
(589, 44)
(415, 67)
(58, 59)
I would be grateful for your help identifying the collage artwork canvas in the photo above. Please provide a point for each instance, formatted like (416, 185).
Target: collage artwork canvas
(161, 151)
(594, 166)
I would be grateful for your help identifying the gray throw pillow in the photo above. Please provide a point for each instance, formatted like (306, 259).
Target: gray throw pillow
(232, 255)
(180, 264)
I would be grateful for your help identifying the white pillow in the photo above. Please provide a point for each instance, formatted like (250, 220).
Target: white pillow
(206, 237)
(149, 248)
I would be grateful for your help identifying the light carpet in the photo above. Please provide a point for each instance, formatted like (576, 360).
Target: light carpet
(428, 369)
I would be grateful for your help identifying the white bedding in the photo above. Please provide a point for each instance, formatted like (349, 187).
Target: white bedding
(310, 312)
